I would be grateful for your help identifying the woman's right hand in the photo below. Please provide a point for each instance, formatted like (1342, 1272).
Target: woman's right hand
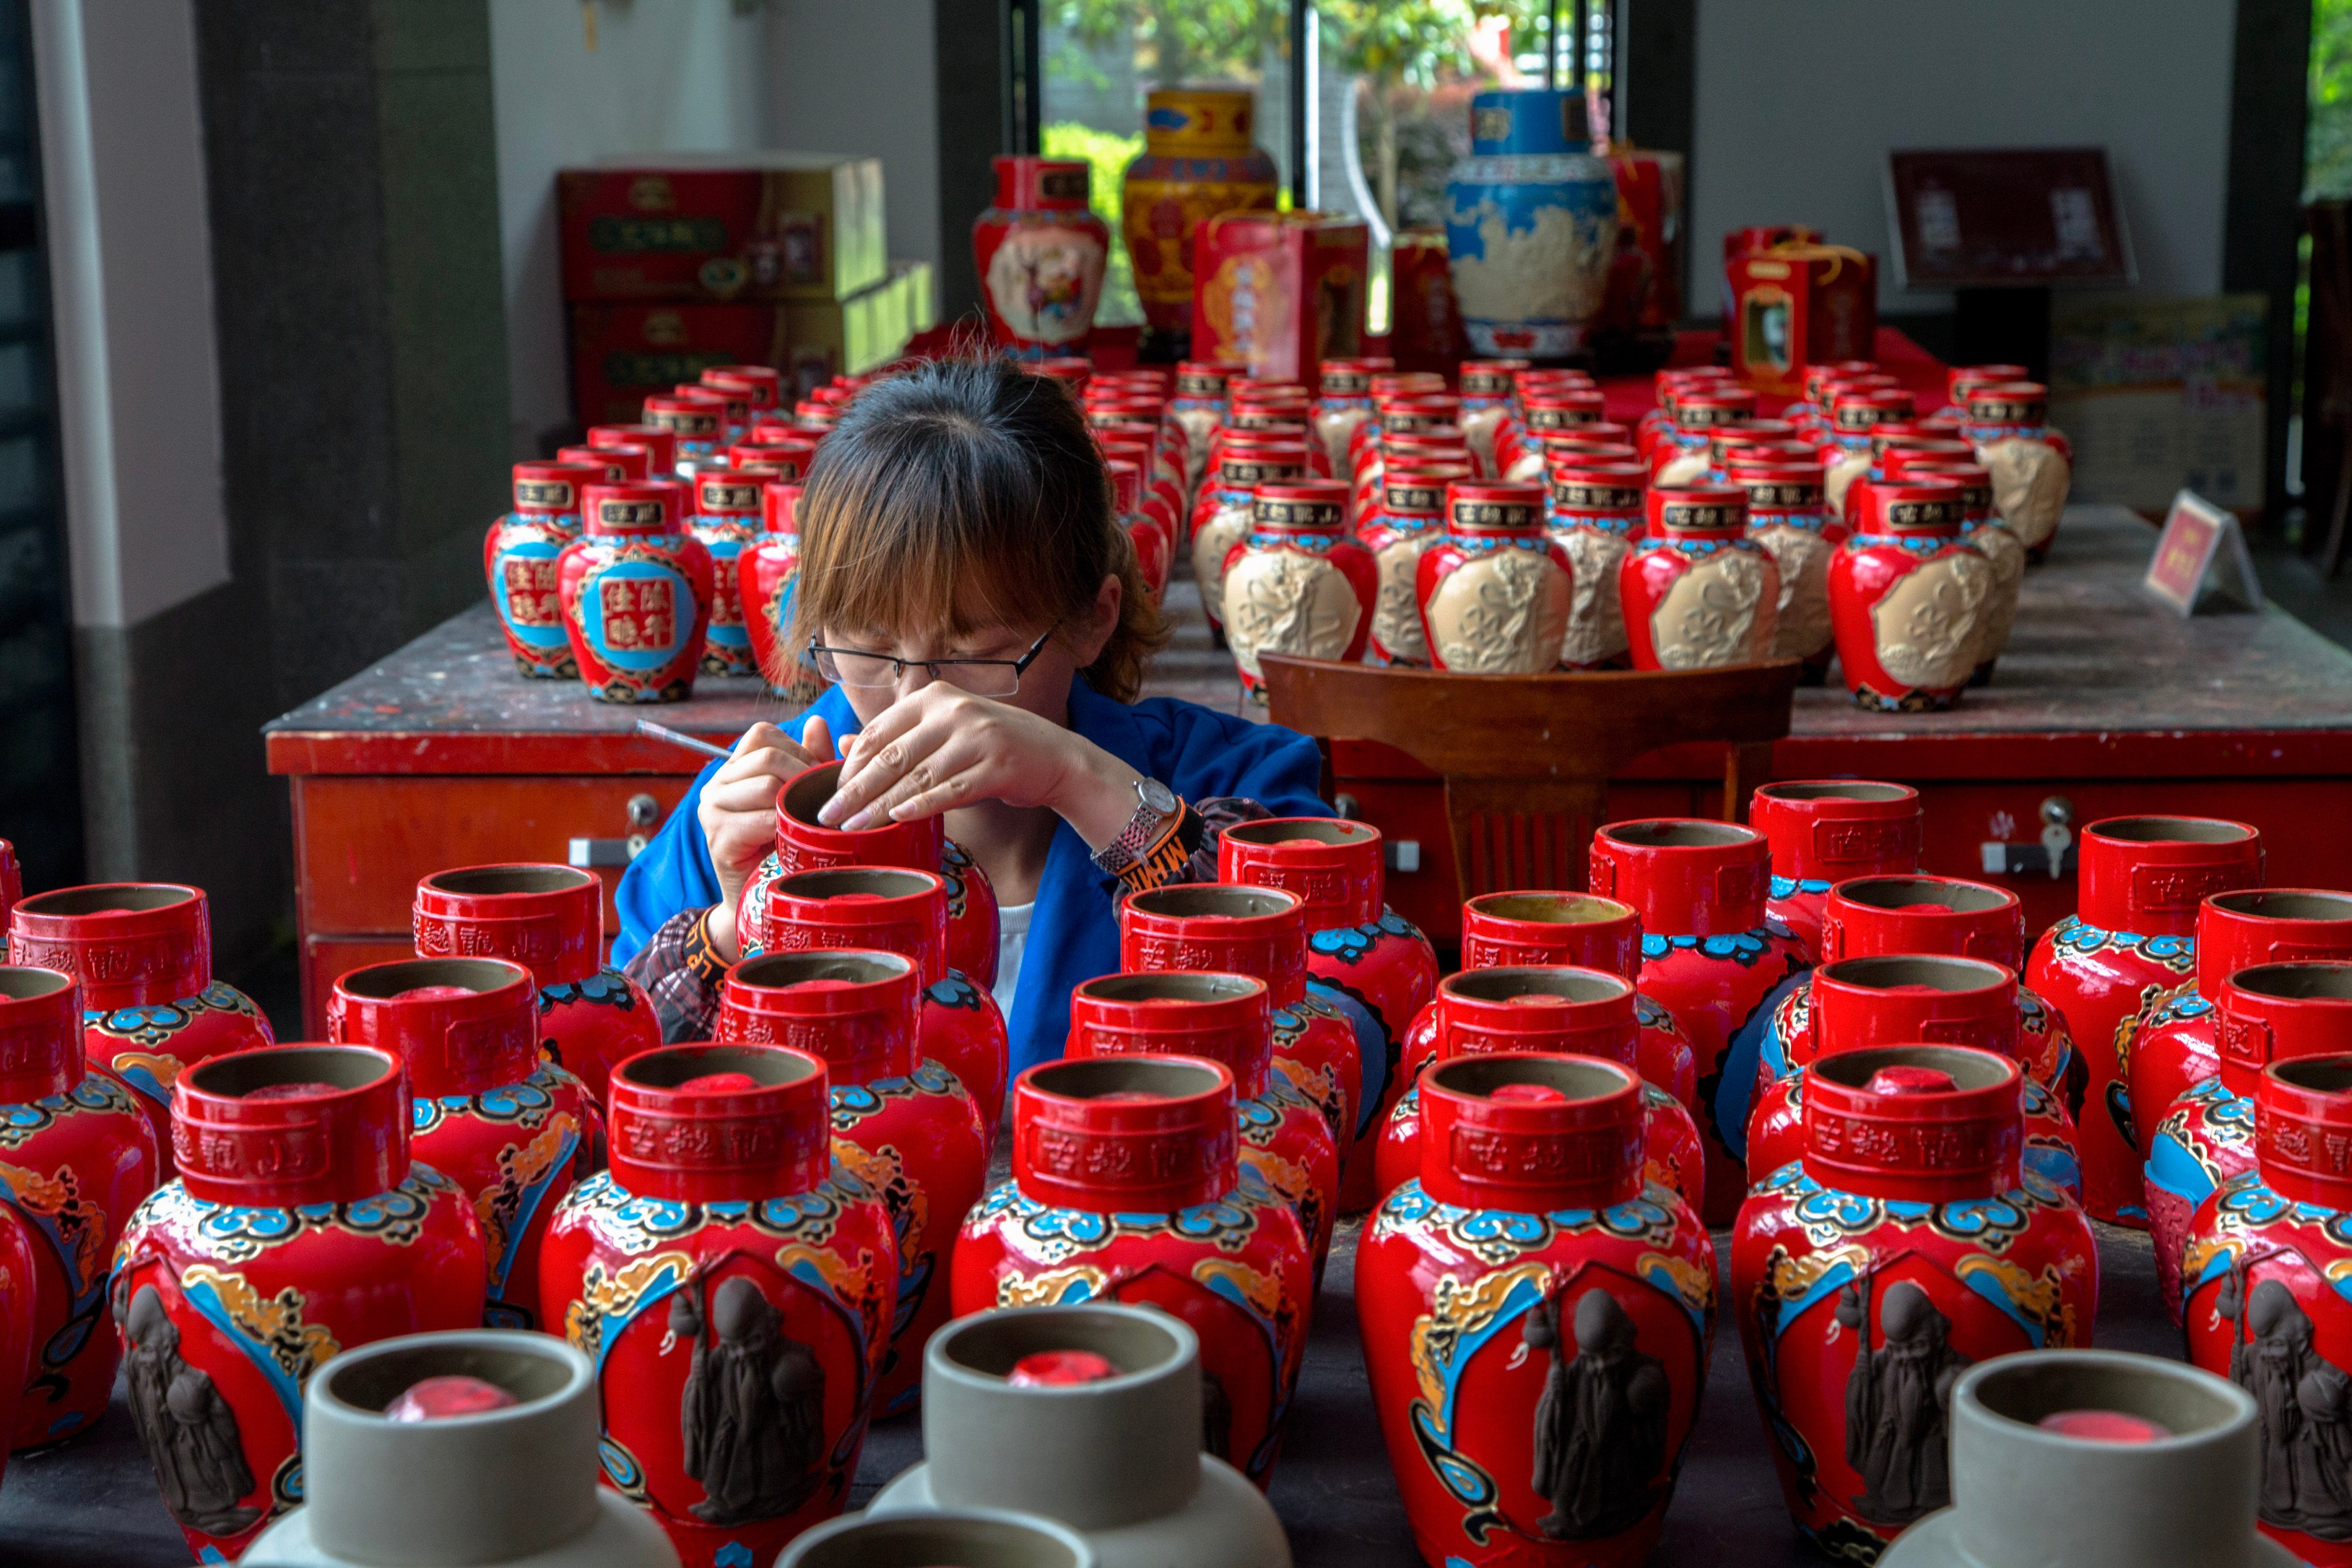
(737, 812)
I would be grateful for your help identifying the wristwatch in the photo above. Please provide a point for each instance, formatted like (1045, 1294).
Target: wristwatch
(1157, 810)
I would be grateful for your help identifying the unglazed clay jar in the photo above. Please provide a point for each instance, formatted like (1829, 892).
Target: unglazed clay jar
(2130, 944)
(1825, 830)
(1535, 1318)
(1711, 956)
(1040, 252)
(1594, 516)
(550, 920)
(1091, 1416)
(904, 1125)
(77, 1155)
(2163, 1471)
(509, 1486)
(142, 952)
(1905, 1246)
(518, 558)
(727, 520)
(1786, 516)
(1126, 1188)
(636, 590)
(734, 1283)
(995, 1537)
(2032, 466)
(1495, 592)
(298, 1227)
(1910, 597)
(767, 570)
(512, 1130)
(1697, 593)
(1298, 583)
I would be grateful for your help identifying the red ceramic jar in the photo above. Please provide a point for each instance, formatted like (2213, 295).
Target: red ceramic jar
(298, 1228)
(1594, 516)
(1226, 1019)
(1904, 1244)
(1856, 409)
(1910, 597)
(2130, 943)
(1298, 583)
(804, 844)
(2032, 466)
(1343, 402)
(550, 920)
(1226, 507)
(518, 558)
(2267, 1012)
(1488, 415)
(888, 908)
(12, 884)
(619, 465)
(2265, 1252)
(1825, 830)
(659, 445)
(1518, 454)
(142, 952)
(1152, 550)
(1555, 1011)
(1680, 457)
(1126, 1187)
(1788, 517)
(512, 1130)
(1409, 519)
(1697, 593)
(697, 424)
(1535, 1320)
(1708, 955)
(77, 1155)
(765, 573)
(1040, 252)
(727, 519)
(905, 1126)
(635, 591)
(758, 386)
(1360, 954)
(735, 1282)
(1980, 528)
(1497, 591)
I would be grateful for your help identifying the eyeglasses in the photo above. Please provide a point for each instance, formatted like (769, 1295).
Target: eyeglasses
(981, 677)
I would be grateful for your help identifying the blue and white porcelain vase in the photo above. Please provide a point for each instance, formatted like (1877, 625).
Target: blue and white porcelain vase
(1531, 225)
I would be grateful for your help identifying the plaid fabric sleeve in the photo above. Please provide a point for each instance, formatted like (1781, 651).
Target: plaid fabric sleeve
(681, 972)
(1216, 814)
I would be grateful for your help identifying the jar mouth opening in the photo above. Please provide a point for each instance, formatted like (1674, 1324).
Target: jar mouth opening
(913, 1539)
(21, 982)
(1970, 1070)
(993, 1344)
(1679, 835)
(2182, 1400)
(2317, 982)
(242, 1074)
(490, 880)
(1551, 909)
(1580, 1079)
(1210, 899)
(2286, 904)
(675, 1067)
(2316, 1075)
(1886, 971)
(2172, 830)
(1903, 892)
(1128, 1078)
(1177, 986)
(385, 982)
(1306, 829)
(124, 898)
(782, 971)
(1503, 984)
(531, 1374)
(857, 881)
(806, 794)
(1834, 789)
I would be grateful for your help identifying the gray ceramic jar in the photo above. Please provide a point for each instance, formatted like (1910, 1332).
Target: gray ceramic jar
(956, 1538)
(1118, 1460)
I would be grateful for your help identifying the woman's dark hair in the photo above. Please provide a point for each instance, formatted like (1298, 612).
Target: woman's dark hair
(967, 493)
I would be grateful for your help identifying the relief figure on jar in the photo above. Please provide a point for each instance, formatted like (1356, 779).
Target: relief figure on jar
(753, 1407)
(1899, 1403)
(2300, 1403)
(187, 1428)
(1601, 1426)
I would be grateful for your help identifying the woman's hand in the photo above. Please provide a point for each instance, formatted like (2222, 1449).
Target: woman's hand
(737, 812)
(941, 747)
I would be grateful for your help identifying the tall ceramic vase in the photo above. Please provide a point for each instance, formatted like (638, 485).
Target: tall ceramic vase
(734, 1283)
(298, 1226)
(1905, 1246)
(636, 590)
(1127, 1188)
(77, 1155)
(1697, 593)
(2130, 943)
(1910, 597)
(1825, 830)
(1299, 583)
(1711, 957)
(1535, 1320)
(904, 1125)
(1360, 952)
(727, 519)
(1040, 252)
(142, 952)
(518, 558)
(512, 1130)
(1531, 225)
(1198, 159)
(550, 920)
(1497, 591)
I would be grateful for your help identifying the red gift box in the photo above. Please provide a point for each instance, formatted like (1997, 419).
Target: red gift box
(1798, 304)
(1283, 291)
(737, 226)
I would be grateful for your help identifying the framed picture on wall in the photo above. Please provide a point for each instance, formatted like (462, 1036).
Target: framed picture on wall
(2017, 217)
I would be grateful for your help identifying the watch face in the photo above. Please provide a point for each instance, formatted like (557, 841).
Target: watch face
(1157, 795)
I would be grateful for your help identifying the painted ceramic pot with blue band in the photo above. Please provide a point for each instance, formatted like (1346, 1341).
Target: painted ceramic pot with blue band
(1786, 516)
(151, 1008)
(298, 1227)
(1298, 583)
(1199, 159)
(1697, 593)
(1823, 831)
(1906, 1243)
(2032, 466)
(1495, 592)
(1595, 515)
(1910, 597)
(514, 1131)
(637, 591)
(1980, 528)
(519, 557)
(767, 576)
(1536, 1318)
(727, 519)
(1531, 226)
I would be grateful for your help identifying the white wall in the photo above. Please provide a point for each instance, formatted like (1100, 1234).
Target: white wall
(1798, 99)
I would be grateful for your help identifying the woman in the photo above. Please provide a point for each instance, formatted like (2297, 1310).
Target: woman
(968, 590)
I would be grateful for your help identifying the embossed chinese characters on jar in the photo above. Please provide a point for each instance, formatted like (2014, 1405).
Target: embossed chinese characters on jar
(635, 592)
(519, 557)
(1699, 593)
(1825, 830)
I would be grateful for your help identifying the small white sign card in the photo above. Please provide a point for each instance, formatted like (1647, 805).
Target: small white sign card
(2200, 551)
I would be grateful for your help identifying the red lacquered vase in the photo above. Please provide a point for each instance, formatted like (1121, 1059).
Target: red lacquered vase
(765, 573)
(1595, 515)
(1554, 1011)
(1906, 1245)
(2265, 1013)
(727, 520)
(1711, 958)
(1825, 830)
(1910, 597)
(518, 558)
(550, 920)
(804, 844)
(892, 909)
(905, 1126)
(1697, 593)
(636, 590)
(1298, 583)
(1326, 1052)
(77, 1155)
(1126, 1186)
(2265, 1254)
(513, 1131)
(298, 1227)
(2130, 943)
(734, 1282)
(1535, 1319)
(142, 952)
(1409, 519)
(1361, 956)
(1040, 252)
(1497, 591)
(1226, 1019)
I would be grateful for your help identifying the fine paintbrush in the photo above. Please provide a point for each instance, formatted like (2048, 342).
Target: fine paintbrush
(663, 733)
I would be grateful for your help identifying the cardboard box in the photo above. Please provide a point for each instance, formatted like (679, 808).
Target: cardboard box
(2158, 395)
(722, 226)
(1798, 304)
(1282, 290)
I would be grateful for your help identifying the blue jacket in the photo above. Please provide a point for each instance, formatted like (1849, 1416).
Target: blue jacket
(1074, 934)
